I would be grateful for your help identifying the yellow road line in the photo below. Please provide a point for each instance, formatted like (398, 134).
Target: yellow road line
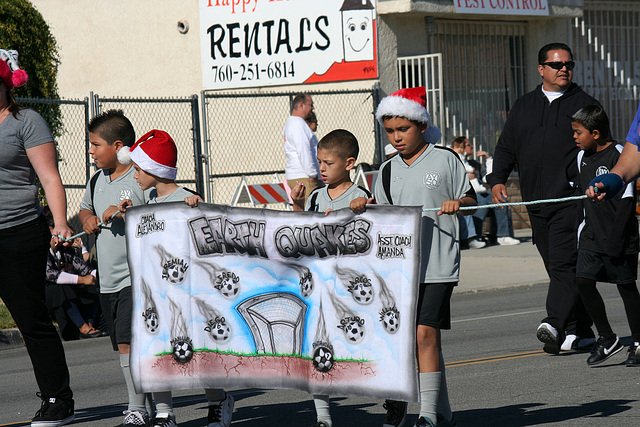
(494, 358)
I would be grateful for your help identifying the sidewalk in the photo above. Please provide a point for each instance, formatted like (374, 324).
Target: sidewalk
(498, 266)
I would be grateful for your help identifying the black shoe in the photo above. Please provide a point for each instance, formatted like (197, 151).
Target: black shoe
(551, 338)
(424, 422)
(53, 412)
(634, 355)
(320, 424)
(603, 350)
(396, 413)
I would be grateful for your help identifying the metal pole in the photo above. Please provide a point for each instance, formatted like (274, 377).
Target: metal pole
(197, 144)
(205, 159)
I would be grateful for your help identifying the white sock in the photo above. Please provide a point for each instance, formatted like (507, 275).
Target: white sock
(215, 395)
(164, 405)
(136, 400)
(323, 410)
(444, 407)
(429, 388)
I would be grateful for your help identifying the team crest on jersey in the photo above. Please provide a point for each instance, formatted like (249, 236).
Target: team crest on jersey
(602, 170)
(432, 180)
(125, 193)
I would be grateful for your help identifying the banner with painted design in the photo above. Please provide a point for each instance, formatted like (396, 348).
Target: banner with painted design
(241, 297)
(253, 43)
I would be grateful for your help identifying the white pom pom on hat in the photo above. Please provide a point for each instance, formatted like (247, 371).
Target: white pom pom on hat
(410, 103)
(124, 155)
(155, 153)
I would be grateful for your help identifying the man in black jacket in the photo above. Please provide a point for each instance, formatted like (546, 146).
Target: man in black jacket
(537, 137)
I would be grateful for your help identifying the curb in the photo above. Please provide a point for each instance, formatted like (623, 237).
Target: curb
(10, 338)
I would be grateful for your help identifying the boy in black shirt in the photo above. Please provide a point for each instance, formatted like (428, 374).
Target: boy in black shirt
(608, 237)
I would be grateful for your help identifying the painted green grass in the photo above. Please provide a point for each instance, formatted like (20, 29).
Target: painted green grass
(255, 354)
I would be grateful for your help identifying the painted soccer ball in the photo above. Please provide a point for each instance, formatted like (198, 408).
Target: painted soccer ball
(151, 319)
(361, 290)
(174, 271)
(306, 284)
(228, 284)
(182, 349)
(219, 330)
(353, 328)
(390, 319)
(323, 359)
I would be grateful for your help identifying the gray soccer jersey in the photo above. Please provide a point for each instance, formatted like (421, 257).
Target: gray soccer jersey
(322, 201)
(437, 175)
(177, 196)
(111, 245)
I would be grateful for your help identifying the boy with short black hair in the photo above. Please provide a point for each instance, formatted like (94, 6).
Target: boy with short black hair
(154, 158)
(337, 154)
(426, 175)
(109, 132)
(607, 237)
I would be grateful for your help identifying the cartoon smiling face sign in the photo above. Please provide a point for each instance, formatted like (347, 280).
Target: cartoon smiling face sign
(357, 32)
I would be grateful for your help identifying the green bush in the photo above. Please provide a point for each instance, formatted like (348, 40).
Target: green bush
(23, 28)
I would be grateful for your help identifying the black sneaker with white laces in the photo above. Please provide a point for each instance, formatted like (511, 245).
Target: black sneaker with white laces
(53, 412)
(603, 350)
(396, 413)
(634, 355)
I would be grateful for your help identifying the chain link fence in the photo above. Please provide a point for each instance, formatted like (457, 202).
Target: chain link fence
(179, 117)
(243, 133)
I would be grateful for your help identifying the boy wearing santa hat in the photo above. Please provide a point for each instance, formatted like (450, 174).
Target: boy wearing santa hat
(426, 175)
(154, 158)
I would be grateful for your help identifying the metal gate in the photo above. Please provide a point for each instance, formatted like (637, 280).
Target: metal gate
(177, 116)
(605, 44)
(425, 70)
(243, 133)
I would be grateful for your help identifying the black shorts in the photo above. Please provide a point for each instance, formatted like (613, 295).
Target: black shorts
(118, 308)
(604, 268)
(434, 307)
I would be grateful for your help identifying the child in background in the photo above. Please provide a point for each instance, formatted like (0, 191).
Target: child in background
(337, 154)
(426, 175)
(109, 132)
(154, 159)
(607, 237)
(312, 121)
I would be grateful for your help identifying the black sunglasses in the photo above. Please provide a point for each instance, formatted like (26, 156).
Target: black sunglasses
(558, 65)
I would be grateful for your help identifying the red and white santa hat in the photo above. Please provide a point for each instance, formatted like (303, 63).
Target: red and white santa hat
(155, 153)
(10, 72)
(410, 103)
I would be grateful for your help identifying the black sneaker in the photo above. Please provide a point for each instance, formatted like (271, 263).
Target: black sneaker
(634, 355)
(603, 350)
(396, 413)
(320, 424)
(53, 412)
(424, 422)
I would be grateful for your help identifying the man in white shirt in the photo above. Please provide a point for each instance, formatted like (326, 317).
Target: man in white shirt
(300, 147)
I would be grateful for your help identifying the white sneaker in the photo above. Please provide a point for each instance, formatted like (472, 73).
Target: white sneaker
(221, 412)
(508, 241)
(574, 342)
(476, 244)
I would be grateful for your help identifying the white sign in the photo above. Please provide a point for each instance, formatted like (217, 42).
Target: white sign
(503, 7)
(248, 43)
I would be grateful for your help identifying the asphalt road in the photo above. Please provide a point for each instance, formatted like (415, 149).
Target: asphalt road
(497, 374)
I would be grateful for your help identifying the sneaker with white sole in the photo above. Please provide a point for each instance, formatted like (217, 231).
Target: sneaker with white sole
(508, 241)
(634, 355)
(396, 413)
(476, 244)
(603, 350)
(575, 342)
(164, 420)
(53, 412)
(135, 418)
(424, 422)
(550, 337)
(220, 413)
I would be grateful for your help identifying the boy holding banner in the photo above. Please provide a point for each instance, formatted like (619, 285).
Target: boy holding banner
(430, 176)
(154, 158)
(337, 154)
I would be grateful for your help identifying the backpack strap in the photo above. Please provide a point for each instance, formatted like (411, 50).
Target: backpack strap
(92, 187)
(386, 181)
(312, 203)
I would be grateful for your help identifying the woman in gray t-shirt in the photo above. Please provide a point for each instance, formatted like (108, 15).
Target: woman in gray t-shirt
(28, 150)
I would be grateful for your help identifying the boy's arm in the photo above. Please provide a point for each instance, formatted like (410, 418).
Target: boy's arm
(89, 221)
(297, 195)
(108, 214)
(451, 207)
(359, 205)
(193, 200)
